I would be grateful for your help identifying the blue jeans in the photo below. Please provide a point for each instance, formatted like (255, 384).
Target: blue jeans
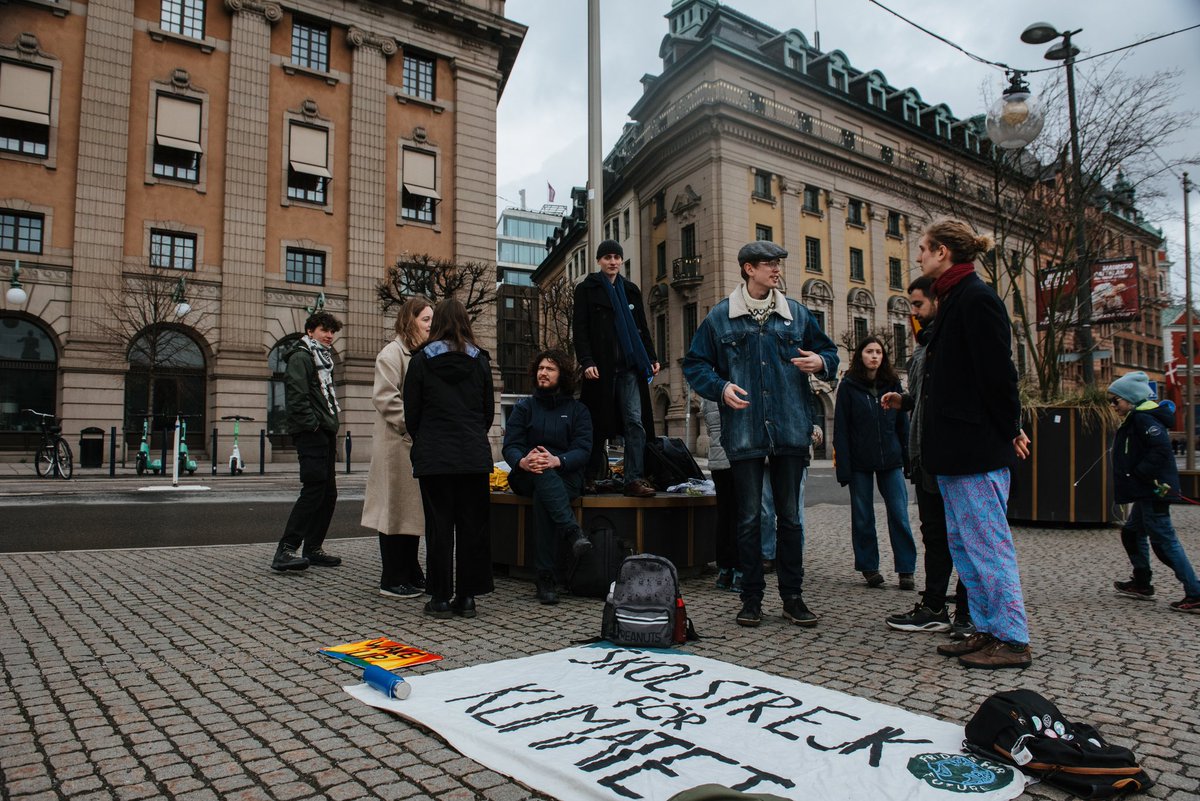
(552, 492)
(629, 402)
(768, 515)
(862, 520)
(1149, 526)
(787, 476)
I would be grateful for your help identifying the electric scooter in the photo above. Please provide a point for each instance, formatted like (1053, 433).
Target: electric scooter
(236, 465)
(185, 462)
(142, 461)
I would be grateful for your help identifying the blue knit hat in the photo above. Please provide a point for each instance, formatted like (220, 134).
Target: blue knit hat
(1133, 387)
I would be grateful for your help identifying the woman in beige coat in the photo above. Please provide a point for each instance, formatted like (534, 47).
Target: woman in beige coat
(393, 499)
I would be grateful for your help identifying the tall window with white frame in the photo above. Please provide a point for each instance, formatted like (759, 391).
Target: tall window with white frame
(185, 17)
(25, 109)
(305, 267)
(812, 254)
(856, 265)
(20, 232)
(310, 45)
(419, 76)
(171, 250)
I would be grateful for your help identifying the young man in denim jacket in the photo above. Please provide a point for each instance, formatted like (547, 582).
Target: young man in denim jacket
(753, 355)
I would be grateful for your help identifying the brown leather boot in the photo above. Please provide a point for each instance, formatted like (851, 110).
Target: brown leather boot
(976, 642)
(997, 655)
(639, 488)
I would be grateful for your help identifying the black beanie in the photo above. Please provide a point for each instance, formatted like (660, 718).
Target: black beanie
(609, 247)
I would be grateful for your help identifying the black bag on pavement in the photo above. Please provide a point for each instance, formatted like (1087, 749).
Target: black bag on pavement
(1024, 729)
(592, 573)
(669, 462)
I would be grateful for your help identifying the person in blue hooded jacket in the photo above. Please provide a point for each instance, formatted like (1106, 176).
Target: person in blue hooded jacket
(1145, 475)
(870, 445)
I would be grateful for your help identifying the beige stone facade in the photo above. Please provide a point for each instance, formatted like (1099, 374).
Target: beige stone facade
(274, 154)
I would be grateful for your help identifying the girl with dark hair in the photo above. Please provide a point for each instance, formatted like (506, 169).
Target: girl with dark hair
(448, 408)
(970, 430)
(392, 505)
(870, 444)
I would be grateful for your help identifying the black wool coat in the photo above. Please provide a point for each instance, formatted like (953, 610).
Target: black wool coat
(448, 410)
(971, 407)
(594, 329)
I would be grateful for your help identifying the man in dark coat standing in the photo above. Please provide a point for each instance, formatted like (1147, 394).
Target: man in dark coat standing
(613, 346)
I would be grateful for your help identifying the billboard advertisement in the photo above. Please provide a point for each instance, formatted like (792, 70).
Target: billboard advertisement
(1114, 293)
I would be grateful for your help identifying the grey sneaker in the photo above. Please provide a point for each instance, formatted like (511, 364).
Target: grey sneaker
(921, 618)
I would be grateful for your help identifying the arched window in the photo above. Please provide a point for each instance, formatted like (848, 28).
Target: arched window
(166, 377)
(28, 373)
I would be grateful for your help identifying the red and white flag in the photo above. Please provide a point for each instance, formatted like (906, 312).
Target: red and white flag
(550, 192)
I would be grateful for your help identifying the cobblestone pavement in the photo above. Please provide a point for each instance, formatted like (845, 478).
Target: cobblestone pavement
(193, 674)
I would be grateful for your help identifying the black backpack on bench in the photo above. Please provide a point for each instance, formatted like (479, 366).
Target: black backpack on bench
(1022, 728)
(669, 462)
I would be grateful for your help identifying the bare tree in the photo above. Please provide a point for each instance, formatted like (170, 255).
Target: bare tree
(472, 282)
(556, 303)
(1027, 198)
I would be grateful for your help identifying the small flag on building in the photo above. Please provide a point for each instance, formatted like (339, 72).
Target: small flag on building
(551, 192)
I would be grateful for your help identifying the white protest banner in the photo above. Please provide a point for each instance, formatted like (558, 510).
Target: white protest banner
(600, 722)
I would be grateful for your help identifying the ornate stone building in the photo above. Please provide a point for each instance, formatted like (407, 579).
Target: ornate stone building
(276, 155)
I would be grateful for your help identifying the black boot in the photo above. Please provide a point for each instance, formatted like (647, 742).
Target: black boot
(546, 588)
(287, 559)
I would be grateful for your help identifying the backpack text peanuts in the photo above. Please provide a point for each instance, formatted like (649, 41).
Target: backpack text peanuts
(644, 607)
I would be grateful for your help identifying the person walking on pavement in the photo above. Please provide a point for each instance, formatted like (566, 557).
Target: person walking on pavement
(870, 445)
(930, 613)
(1146, 476)
(754, 353)
(547, 441)
(312, 420)
(971, 428)
(448, 408)
(392, 503)
(613, 346)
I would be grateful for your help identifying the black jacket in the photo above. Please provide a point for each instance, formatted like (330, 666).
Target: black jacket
(1142, 454)
(594, 330)
(971, 408)
(307, 408)
(866, 436)
(559, 423)
(448, 410)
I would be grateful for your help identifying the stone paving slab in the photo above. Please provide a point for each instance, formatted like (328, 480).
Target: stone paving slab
(193, 673)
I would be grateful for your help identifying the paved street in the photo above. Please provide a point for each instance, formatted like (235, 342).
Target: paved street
(192, 673)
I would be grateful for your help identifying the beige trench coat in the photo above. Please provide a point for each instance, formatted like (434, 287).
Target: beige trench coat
(393, 498)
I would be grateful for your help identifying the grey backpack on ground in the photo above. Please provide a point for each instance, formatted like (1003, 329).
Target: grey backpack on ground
(644, 608)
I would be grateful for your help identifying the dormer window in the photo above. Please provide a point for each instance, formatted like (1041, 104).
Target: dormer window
(875, 97)
(911, 111)
(971, 140)
(941, 126)
(795, 59)
(839, 79)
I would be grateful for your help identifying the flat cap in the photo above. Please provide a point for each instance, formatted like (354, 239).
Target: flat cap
(760, 251)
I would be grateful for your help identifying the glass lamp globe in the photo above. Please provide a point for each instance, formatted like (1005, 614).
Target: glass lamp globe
(16, 296)
(182, 308)
(1015, 119)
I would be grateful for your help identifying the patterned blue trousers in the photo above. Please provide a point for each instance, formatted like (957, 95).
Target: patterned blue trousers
(981, 545)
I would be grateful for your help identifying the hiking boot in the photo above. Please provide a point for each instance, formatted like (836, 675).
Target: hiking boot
(322, 559)
(874, 578)
(402, 591)
(640, 488)
(724, 578)
(976, 642)
(921, 618)
(1135, 589)
(287, 559)
(463, 606)
(962, 626)
(580, 544)
(751, 614)
(1190, 604)
(998, 655)
(438, 609)
(795, 611)
(735, 584)
(546, 592)
(907, 582)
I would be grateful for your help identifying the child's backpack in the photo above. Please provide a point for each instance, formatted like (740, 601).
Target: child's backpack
(1024, 729)
(644, 607)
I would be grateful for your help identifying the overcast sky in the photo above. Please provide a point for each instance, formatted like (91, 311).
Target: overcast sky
(542, 122)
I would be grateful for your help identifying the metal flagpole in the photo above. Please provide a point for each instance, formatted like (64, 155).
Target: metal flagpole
(1190, 389)
(595, 209)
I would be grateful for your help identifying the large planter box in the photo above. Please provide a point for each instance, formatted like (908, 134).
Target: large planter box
(1068, 475)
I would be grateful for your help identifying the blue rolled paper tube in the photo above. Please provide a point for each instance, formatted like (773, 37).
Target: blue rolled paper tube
(386, 682)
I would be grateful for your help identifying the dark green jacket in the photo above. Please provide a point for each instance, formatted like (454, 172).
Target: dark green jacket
(307, 409)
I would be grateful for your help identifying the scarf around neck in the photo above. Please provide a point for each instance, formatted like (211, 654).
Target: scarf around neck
(951, 278)
(627, 333)
(323, 361)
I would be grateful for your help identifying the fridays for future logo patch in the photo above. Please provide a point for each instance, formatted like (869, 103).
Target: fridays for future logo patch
(960, 773)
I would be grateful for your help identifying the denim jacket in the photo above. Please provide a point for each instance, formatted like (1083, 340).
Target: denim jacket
(730, 346)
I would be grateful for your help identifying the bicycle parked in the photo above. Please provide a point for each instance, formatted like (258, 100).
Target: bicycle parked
(54, 454)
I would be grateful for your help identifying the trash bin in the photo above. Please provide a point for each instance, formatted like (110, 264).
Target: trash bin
(91, 447)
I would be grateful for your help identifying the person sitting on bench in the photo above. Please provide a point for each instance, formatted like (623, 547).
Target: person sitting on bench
(547, 442)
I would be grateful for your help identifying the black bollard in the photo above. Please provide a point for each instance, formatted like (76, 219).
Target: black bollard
(112, 452)
(349, 447)
(214, 451)
(262, 451)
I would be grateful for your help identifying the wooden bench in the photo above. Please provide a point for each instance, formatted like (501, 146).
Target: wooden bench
(680, 527)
